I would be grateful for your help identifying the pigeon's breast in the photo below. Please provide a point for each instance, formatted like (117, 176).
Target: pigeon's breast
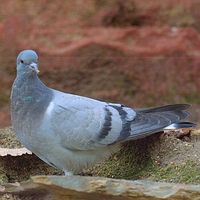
(28, 105)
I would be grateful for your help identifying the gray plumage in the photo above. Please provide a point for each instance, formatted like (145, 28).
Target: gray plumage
(72, 132)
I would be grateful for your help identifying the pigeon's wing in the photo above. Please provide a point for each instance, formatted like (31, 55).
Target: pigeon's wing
(82, 123)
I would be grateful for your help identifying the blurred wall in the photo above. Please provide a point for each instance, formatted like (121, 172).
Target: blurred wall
(137, 53)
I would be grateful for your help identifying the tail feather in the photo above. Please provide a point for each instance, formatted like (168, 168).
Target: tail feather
(180, 125)
(165, 108)
(152, 120)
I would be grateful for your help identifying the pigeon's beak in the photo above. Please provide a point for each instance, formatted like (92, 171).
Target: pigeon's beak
(34, 67)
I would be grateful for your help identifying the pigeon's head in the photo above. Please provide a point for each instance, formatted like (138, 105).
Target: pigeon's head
(27, 62)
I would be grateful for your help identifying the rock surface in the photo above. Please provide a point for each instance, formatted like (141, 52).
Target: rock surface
(88, 188)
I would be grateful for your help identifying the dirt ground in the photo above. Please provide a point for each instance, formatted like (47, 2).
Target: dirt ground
(175, 150)
(169, 156)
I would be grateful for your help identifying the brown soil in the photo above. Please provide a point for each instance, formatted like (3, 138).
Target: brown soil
(176, 151)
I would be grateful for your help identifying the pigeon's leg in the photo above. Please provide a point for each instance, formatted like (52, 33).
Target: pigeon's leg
(68, 173)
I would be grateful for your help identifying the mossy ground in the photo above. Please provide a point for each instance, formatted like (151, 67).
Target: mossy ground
(188, 172)
(128, 163)
(161, 157)
(150, 159)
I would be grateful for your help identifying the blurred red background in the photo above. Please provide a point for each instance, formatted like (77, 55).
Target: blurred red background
(136, 52)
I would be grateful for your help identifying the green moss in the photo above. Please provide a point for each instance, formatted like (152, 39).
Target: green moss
(188, 172)
(124, 168)
(132, 162)
(3, 177)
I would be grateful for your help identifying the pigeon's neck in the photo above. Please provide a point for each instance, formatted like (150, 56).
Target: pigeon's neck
(29, 100)
(29, 82)
(29, 85)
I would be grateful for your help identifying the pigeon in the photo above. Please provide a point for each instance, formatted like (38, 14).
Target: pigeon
(72, 132)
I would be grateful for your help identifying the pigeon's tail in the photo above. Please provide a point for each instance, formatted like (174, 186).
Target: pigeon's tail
(153, 120)
(179, 125)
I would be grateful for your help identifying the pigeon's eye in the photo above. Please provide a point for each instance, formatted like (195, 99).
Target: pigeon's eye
(21, 61)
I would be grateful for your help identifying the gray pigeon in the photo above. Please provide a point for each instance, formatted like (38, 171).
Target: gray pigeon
(72, 132)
